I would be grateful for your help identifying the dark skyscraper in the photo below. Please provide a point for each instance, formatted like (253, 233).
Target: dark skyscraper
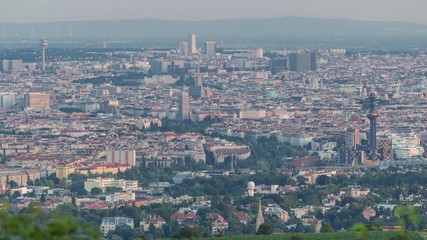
(197, 89)
(313, 61)
(278, 65)
(184, 107)
(372, 116)
(302, 61)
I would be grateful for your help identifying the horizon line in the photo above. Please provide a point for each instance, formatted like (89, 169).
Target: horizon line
(210, 20)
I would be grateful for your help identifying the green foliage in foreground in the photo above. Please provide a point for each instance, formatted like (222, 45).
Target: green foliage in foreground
(326, 236)
(35, 224)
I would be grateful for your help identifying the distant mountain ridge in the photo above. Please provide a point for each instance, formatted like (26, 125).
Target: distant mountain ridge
(287, 28)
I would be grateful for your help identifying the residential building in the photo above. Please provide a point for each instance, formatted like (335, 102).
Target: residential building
(120, 197)
(274, 210)
(111, 223)
(37, 100)
(64, 172)
(103, 183)
(184, 106)
(156, 220)
(122, 156)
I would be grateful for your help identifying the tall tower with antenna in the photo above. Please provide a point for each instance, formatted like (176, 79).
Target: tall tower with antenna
(43, 44)
(372, 116)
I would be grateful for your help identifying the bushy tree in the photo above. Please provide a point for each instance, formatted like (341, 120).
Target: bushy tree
(264, 229)
(326, 227)
(28, 225)
(95, 191)
(187, 232)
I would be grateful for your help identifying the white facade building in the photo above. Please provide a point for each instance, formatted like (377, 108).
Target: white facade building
(406, 145)
(120, 197)
(7, 100)
(125, 156)
(110, 223)
(126, 185)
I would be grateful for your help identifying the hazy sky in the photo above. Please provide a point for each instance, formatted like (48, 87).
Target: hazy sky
(54, 10)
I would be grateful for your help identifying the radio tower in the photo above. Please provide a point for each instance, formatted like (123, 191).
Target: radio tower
(372, 116)
(43, 44)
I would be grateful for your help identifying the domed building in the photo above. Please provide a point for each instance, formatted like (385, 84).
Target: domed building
(251, 189)
(272, 94)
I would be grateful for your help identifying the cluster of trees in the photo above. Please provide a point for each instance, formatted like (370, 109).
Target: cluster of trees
(58, 54)
(268, 153)
(33, 223)
(128, 79)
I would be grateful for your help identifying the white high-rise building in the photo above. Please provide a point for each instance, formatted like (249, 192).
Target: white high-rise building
(406, 145)
(7, 100)
(122, 156)
(192, 42)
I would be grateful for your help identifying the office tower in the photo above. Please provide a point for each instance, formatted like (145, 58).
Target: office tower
(210, 48)
(352, 138)
(197, 89)
(5, 66)
(313, 61)
(16, 66)
(259, 53)
(159, 66)
(278, 65)
(36, 100)
(192, 43)
(184, 106)
(260, 217)
(7, 100)
(13, 66)
(183, 47)
(44, 44)
(372, 116)
(302, 61)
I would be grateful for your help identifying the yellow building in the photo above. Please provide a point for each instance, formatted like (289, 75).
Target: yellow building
(64, 172)
(37, 100)
(105, 168)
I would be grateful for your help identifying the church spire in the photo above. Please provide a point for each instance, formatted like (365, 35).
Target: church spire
(260, 217)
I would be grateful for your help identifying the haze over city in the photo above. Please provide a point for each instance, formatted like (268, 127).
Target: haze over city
(29, 11)
(216, 120)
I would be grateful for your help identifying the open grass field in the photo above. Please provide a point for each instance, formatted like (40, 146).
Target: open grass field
(325, 236)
